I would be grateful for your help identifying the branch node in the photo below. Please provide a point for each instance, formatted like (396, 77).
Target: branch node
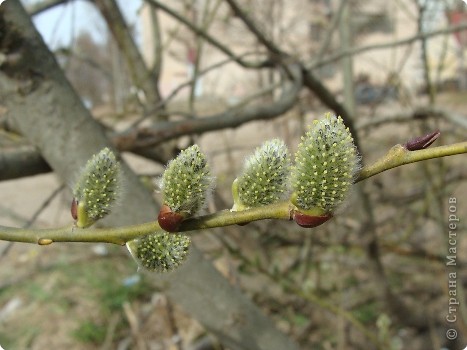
(44, 241)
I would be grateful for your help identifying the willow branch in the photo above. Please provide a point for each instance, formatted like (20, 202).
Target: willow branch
(123, 234)
(396, 156)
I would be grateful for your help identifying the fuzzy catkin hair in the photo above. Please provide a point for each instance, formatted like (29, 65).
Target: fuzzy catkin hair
(326, 164)
(97, 187)
(162, 252)
(265, 175)
(187, 181)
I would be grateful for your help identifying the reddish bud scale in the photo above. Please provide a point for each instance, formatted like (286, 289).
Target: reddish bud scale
(422, 142)
(74, 209)
(310, 221)
(169, 220)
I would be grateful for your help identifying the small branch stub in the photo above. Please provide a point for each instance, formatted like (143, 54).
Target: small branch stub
(44, 241)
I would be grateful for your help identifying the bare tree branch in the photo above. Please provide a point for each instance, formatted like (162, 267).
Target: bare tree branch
(44, 5)
(332, 27)
(142, 77)
(24, 161)
(457, 119)
(180, 87)
(328, 99)
(27, 161)
(272, 47)
(157, 41)
(162, 132)
(358, 50)
(70, 53)
(214, 42)
(309, 79)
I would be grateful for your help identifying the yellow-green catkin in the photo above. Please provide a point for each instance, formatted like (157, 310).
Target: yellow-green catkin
(186, 182)
(97, 188)
(162, 252)
(265, 176)
(326, 164)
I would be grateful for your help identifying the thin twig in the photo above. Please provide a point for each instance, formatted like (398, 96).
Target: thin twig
(332, 28)
(180, 87)
(173, 325)
(272, 47)
(230, 118)
(44, 205)
(291, 287)
(214, 42)
(407, 41)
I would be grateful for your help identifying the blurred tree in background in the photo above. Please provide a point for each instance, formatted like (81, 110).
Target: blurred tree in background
(228, 75)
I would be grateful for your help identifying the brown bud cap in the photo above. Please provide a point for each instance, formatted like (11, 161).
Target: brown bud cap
(169, 220)
(310, 221)
(74, 209)
(422, 142)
